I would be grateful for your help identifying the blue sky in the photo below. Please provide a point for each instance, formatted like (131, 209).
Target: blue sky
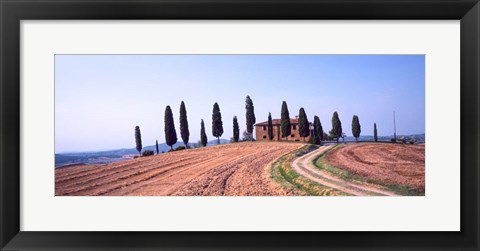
(99, 99)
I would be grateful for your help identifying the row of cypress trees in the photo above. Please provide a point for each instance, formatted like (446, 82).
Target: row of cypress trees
(171, 134)
(217, 126)
(303, 124)
(170, 131)
(356, 128)
(318, 134)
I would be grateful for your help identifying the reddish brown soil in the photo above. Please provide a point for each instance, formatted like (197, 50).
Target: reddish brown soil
(390, 163)
(304, 166)
(231, 169)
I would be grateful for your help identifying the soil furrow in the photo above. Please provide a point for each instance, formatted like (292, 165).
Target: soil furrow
(230, 169)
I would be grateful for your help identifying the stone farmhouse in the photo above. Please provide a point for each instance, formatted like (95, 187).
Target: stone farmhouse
(261, 131)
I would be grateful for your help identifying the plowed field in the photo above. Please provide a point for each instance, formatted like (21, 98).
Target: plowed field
(394, 164)
(231, 169)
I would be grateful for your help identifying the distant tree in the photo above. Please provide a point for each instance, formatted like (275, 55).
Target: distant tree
(303, 124)
(270, 127)
(321, 133)
(217, 124)
(285, 125)
(375, 138)
(147, 153)
(313, 140)
(317, 130)
(247, 136)
(138, 140)
(203, 135)
(180, 148)
(326, 136)
(156, 146)
(336, 126)
(331, 135)
(236, 129)
(250, 114)
(356, 130)
(170, 132)
(184, 124)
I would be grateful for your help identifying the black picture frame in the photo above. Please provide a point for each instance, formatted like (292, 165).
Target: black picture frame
(13, 11)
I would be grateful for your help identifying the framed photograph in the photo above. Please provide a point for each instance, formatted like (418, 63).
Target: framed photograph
(239, 125)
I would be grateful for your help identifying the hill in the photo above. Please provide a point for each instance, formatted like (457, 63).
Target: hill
(199, 171)
(103, 157)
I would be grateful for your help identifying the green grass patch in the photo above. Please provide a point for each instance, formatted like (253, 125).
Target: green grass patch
(283, 174)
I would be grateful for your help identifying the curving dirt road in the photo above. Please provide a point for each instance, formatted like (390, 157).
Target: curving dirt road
(230, 169)
(242, 169)
(304, 166)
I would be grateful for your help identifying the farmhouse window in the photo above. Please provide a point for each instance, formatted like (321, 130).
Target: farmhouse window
(264, 128)
(294, 127)
(293, 135)
(264, 136)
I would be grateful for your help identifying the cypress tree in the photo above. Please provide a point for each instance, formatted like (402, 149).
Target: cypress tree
(138, 140)
(170, 132)
(336, 126)
(184, 125)
(317, 130)
(236, 129)
(270, 127)
(356, 127)
(203, 135)
(375, 138)
(285, 121)
(250, 114)
(156, 146)
(303, 124)
(217, 124)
